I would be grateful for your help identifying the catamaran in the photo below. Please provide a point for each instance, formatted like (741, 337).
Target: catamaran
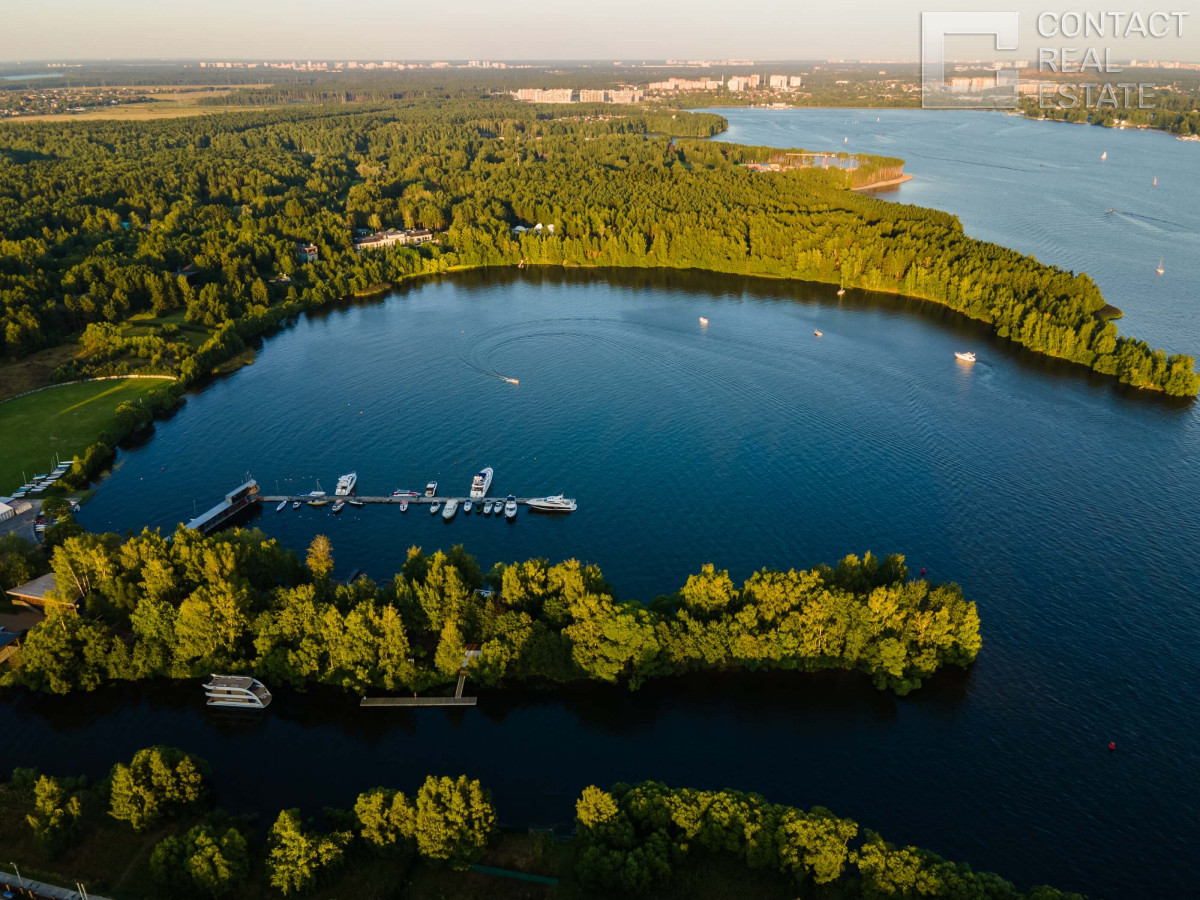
(483, 481)
(345, 485)
(237, 692)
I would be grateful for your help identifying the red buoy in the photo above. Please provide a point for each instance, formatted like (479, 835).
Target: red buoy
(1112, 745)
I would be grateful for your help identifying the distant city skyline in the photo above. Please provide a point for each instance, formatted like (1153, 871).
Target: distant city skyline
(627, 30)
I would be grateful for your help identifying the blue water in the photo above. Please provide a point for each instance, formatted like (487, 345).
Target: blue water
(1063, 504)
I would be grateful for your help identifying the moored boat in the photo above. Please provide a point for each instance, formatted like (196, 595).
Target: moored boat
(345, 484)
(450, 510)
(467, 507)
(965, 356)
(434, 507)
(237, 692)
(510, 508)
(553, 503)
(295, 504)
(355, 502)
(403, 506)
(431, 489)
(339, 506)
(487, 508)
(318, 501)
(281, 507)
(481, 483)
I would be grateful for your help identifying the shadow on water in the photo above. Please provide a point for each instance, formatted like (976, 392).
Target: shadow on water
(689, 283)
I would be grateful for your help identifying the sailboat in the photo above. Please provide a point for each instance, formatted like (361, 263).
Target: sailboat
(1104, 156)
(1159, 270)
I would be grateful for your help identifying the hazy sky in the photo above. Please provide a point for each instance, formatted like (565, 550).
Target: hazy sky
(524, 29)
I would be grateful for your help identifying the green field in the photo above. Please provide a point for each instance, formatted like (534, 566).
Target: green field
(64, 420)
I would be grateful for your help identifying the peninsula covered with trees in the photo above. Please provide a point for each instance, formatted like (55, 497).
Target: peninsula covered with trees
(167, 246)
(237, 601)
(150, 829)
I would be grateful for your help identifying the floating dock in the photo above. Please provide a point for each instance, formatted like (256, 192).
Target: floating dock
(235, 501)
(388, 500)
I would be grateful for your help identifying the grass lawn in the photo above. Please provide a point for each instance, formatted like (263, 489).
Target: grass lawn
(146, 323)
(162, 105)
(64, 420)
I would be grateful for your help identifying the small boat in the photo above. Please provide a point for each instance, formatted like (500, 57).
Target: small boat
(431, 489)
(295, 504)
(281, 507)
(818, 333)
(1155, 184)
(510, 508)
(467, 507)
(403, 506)
(345, 484)
(406, 493)
(433, 508)
(478, 507)
(487, 507)
(1159, 270)
(355, 502)
(703, 321)
(556, 503)
(451, 509)
(965, 356)
(481, 483)
(339, 506)
(237, 692)
(1104, 156)
(318, 501)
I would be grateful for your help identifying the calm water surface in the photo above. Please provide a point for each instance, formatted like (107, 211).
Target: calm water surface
(1064, 505)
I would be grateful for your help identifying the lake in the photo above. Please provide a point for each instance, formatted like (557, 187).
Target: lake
(1064, 505)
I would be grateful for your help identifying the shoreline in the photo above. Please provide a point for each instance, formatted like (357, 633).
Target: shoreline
(874, 186)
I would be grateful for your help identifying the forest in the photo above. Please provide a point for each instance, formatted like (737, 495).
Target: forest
(643, 840)
(188, 605)
(195, 222)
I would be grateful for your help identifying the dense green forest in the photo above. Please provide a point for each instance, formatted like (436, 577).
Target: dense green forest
(196, 221)
(238, 602)
(630, 841)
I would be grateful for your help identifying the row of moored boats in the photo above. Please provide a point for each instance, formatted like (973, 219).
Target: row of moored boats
(477, 501)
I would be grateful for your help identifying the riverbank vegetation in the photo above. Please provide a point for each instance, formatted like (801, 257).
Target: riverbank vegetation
(238, 602)
(197, 222)
(644, 840)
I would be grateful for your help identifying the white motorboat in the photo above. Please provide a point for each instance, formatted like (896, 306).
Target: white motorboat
(431, 489)
(281, 507)
(467, 507)
(965, 356)
(451, 509)
(339, 506)
(237, 692)
(818, 333)
(295, 504)
(555, 503)
(487, 508)
(510, 508)
(704, 321)
(433, 508)
(403, 506)
(355, 502)
(345, 485)
(1160, 269)
(481, 483)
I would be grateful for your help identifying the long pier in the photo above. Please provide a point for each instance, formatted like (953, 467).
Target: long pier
(388, 500)
(417, 701)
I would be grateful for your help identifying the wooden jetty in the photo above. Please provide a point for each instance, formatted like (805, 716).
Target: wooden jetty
(418, 701)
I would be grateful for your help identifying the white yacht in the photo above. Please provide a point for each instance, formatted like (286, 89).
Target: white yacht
(487, 508)
(965, 356)
(468, 505)
(431, 489)
(483, 481)
(555, 503)
(345, 485)
(510, 507)
(237, 691)
(451, 509)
